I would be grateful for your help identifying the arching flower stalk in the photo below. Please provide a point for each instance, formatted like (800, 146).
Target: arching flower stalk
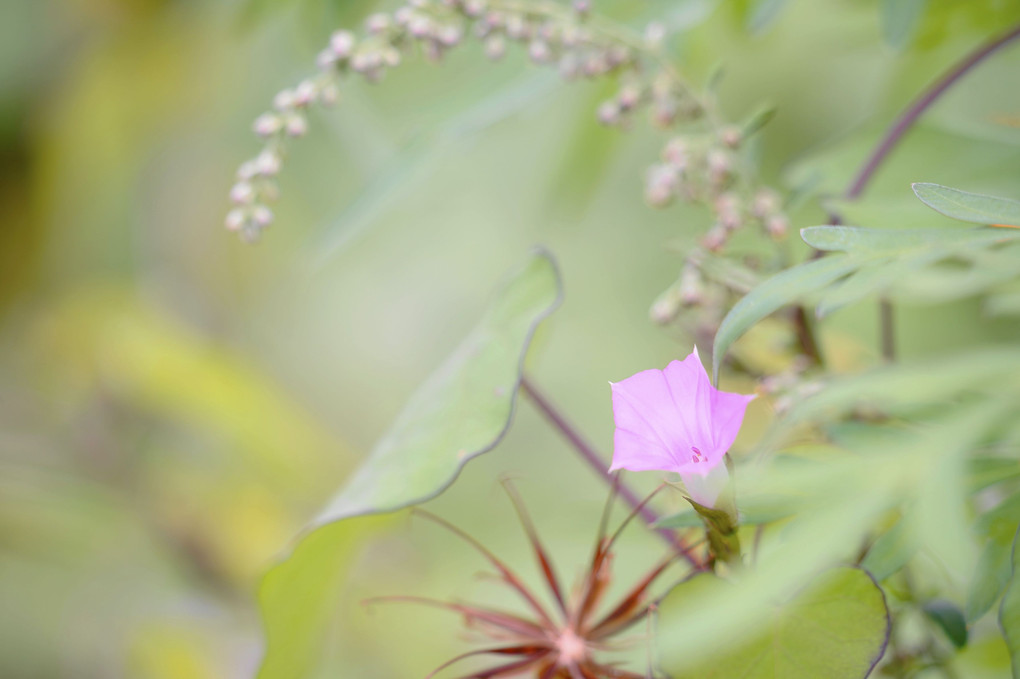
(566, 640)
(701, 166)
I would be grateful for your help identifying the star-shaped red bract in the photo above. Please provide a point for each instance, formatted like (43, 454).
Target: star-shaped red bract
(560, 642)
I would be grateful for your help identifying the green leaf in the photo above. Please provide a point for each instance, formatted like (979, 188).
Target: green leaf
(991, 576)
(883, 243)
(891, 551)
(772, 295)
(1006, 513)
(900, 19)
(987, 471)
(969, 207)
(1009, 613)
(298, 597)
(462, 410)
(877, 258)
(949, 618)
(857, 286)
(835, 629)
(1005, 303)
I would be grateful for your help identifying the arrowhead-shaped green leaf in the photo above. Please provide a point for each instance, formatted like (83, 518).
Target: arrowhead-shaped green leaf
(462, 410)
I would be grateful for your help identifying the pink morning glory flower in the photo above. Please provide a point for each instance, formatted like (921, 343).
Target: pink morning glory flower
(674, 420)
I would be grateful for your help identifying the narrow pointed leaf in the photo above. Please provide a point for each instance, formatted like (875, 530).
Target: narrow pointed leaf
(772, 295)
(891, 551)
(969, 207)
(460, 412)
(991, 576)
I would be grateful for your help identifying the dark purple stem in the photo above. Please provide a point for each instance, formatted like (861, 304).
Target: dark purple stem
(600, 467)
(923, 102)
(892, 137)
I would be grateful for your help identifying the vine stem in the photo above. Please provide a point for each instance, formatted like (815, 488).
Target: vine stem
(595, 461)
(895, 133)
(922, 103)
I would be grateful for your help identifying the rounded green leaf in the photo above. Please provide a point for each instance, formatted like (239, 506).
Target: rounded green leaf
(837, 628)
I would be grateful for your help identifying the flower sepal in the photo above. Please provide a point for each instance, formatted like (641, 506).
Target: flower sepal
(721, 533)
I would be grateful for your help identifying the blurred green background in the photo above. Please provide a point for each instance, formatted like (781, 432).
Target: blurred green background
(174, 404)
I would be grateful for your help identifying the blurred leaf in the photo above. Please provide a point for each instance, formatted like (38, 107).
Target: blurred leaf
(1009, 612)
(912, 387)
(876, 257)
(891, 551)
(969, 207)
(463, 410)
(840, 499)
(762, 13)
(991, 576)
(949, 618)
(1005, 303)
(900, 19)
(836, 629)
(1005, 514)
(757, 120)
(987, 471)
(298, 597)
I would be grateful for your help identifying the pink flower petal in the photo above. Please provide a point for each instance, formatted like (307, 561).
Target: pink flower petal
(674, 420)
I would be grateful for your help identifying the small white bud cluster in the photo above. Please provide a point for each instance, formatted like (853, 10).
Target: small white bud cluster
(256, 185)
(668, 102)
(571, 42)
(707, 169)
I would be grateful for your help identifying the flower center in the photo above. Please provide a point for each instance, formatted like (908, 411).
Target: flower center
(698, 456)
(572, 647)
